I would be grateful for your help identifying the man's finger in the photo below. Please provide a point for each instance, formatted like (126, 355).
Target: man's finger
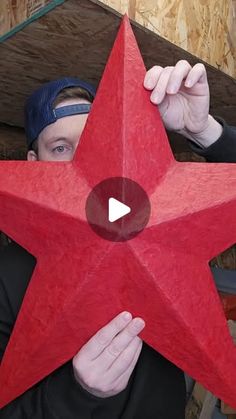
(120, 343)
(124, 365)
(96, 345)
(152, 77)
(179, 73)
(196, 75)
(159, 92)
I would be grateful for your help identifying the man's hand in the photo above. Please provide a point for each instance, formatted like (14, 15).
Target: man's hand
(105, 363)
(182, 95)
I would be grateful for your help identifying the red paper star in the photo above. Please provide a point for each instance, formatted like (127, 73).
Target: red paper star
(81, 280)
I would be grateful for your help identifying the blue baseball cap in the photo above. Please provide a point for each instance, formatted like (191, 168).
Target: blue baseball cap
(39, 109)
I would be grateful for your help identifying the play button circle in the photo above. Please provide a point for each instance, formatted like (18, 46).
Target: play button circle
(117, 209)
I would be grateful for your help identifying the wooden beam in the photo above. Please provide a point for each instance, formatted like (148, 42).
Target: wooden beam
(12, 143)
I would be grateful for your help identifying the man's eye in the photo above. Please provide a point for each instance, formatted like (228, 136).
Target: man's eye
(60, 149)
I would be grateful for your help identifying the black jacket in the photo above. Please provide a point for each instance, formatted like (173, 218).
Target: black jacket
(156, 389)
(224, 149)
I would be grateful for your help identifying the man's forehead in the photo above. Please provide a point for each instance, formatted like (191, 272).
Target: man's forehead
(63, 128)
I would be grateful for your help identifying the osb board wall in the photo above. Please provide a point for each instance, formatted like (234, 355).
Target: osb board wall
(205, 28)
(14, 12)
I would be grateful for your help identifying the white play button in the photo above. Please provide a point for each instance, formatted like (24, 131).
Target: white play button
(117, 210)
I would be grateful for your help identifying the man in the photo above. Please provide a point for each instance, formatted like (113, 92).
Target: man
(114, 375)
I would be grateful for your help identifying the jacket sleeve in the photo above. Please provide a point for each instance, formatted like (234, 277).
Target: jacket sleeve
(58, 396)
(224, 149)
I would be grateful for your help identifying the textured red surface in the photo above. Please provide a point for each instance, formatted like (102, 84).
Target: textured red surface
(81, 281)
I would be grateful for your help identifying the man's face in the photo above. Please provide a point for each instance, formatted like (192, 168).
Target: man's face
(58, 141)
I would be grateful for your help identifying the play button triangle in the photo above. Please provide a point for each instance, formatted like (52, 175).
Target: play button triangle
(117, 210)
